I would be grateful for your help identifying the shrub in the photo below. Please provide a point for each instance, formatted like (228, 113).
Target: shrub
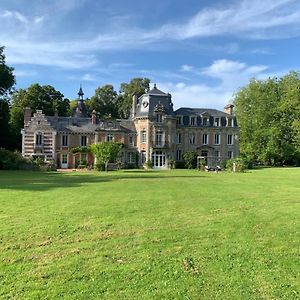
(179, 165)
(11, 160)
(236, 164)
(190, 159)
(148, 164)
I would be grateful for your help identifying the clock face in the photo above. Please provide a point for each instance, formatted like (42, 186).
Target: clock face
(145, 103)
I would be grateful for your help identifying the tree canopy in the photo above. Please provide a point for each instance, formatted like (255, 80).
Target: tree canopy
(106, 152)
(45, 97)
(268, 114)
(137, 86)
(7, 81)
(105, 101)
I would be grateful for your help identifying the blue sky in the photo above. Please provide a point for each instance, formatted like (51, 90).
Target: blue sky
(200, 51)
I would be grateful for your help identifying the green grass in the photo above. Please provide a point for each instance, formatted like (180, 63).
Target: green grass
(150, 235)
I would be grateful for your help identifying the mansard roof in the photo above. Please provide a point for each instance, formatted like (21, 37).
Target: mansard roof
(155, 92)
(187, 111)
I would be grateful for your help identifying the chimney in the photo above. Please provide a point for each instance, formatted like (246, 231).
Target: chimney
(27, 115)
(229, 109)
(134, 103)
(94, 117)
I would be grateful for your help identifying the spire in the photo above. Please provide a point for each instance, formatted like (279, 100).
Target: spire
(80, 110)
(80, 93)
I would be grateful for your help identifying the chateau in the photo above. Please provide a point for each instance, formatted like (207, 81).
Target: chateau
(153, 132)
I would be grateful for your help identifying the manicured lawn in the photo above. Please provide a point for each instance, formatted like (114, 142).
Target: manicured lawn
(150, 235)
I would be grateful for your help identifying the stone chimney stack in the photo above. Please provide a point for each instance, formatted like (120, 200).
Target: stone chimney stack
(27, 115)
(229, 109)
(94, 117)
(134, 103)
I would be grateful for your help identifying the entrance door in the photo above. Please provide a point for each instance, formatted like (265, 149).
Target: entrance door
(159, 159)
(64, 161)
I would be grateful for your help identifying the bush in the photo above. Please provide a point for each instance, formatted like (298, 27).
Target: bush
(236, 164)
(179, 165)
(99, 166)
(11, 160)
(148, 164)
(190, 159)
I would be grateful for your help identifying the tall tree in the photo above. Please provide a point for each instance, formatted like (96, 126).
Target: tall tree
(105, 101)
(7, 81)
(266, 111)
(46, 98)
(137, 86)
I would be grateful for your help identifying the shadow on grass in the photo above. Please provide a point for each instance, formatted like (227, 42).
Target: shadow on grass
(42, 181)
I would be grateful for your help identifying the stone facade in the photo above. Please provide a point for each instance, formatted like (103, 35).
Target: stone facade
(153, 132)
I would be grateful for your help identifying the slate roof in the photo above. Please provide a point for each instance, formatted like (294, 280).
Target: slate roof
(155, 91)
(72, 124)
(187, 111)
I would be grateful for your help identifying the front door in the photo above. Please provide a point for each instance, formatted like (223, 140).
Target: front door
(64, 161)
(159, 159)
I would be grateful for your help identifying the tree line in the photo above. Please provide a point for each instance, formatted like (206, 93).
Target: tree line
(106, 102)
(268, 114)
(267, 111)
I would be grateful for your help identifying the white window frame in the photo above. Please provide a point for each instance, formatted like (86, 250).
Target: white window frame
(65, 138)
(178, 154)
(143, 137)
(217, 138)
(192, 121)
(39, 139)
(83, 138)
(229, 139)
(192, 138)
(205, 139)
(110, 137)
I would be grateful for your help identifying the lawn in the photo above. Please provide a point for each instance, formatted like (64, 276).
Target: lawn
(179, 234)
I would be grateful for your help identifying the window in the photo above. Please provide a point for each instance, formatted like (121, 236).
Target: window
(229, 139)
(230, 154)
(217, 122)
(143, 136)
(131, 140)
(192, 138)
(159, 118)
(83, 141)
(178, 141)
(217, 139)
(217, 154)
(109, 137)
(178, 155)
(193, 121)
(38, 139)
(179, 120)
(205, 139)
(131, 157)
(64, 140)
(159, 138)
(64, 158)
(204, 121)
(143, 157)
(229, 122)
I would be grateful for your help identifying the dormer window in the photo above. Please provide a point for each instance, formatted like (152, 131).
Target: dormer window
(204, 121)
(229, 122)
(179, 120)
(159, 118)
(193, 121)
(109, 137)
(217, 122)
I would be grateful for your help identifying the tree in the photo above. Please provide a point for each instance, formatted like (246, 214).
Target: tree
(266, 111)
(36, 97)
(105, 101)
(106, 152)
(137, 86)
(7, 81)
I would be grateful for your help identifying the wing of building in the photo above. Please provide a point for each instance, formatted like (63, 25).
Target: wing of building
(153, 132)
